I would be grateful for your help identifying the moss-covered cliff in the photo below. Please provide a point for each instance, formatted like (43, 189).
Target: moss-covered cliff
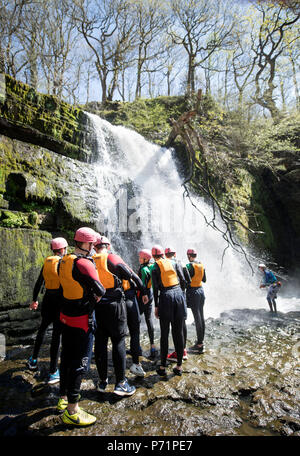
(47, 188)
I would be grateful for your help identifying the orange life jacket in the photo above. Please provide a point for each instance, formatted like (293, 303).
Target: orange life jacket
(71, 288)
(167, 272)
(106, 277)
(125, 285)
(50, 272)
(198, 276)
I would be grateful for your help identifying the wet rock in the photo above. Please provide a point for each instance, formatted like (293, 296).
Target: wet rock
(250, 388)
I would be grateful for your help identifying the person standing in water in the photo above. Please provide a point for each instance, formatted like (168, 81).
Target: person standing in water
(147, 309)
(170, 253)
(195, 297)
(270, 281)
(50, 307)
(82, 292)
(170, 307)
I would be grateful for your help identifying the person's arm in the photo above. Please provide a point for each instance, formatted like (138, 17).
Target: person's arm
(36, 290)
(180, 275)
(86, 274)
(155, 276)
(187, 276)
(204, 276)
(118, 267)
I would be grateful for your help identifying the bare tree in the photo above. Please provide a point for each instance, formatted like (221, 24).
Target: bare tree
(106, 27)
(268, 45)
(201, 28)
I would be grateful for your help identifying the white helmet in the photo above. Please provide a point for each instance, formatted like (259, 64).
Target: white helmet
(262, 265)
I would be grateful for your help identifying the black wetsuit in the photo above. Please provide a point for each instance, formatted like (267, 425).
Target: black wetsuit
(76, 340)
(195, 301)
(171, 310)
(111, 320)
(50, 308)
(147, 309)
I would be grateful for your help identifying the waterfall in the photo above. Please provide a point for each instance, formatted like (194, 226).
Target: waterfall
(141, 204)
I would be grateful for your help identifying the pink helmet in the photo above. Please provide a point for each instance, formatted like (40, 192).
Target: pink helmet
(145, 254)
(98, 239)
(191, 252)
(169, 250)
(104, 240)
(157, 250)
(85, 234)
(58, 243)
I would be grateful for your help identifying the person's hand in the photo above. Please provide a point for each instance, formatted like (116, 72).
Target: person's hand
(262, 286)
(145, 299)
(34, 305)
(156, 312)
(97, 298)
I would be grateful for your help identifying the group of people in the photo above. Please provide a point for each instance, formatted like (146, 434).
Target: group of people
(92, 295)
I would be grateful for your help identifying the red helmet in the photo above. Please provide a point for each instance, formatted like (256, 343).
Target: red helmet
(145, 254)
(191, 252)
(85, 234)
(169, 250)
(58, 243)
(157, 250)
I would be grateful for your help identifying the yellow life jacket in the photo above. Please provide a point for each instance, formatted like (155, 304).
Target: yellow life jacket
(125, 285)
(198, 276)
(168, 274)
(50, 272)
(71, 288)
(106, 277)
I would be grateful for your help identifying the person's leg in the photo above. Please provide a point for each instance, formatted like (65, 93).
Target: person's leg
(178, 323)
(133, 322)
(101, 358)
(148, 312)
(119, 357)
(46, 321)
(55, 343)
(164, 340)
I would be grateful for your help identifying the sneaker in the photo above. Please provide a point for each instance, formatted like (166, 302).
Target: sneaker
(81, 418)
(32, 363)
(196, 349)
(185, 355)
(102, 385)
(61, 405)
(161, 371)
(54, 378)
(153, 353)
(124, 389)
(137, 369)
(177, 371)
(172, 357)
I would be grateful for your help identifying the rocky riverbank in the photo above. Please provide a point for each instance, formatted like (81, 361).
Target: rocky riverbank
(247, 383)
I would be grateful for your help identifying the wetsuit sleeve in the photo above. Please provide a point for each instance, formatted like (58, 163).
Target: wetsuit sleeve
(86, 274)
(38, 284)
(187, 276)
(156, 281)
(180, 274)
(118, 267)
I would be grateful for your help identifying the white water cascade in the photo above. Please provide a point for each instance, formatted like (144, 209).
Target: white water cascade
(155, 212)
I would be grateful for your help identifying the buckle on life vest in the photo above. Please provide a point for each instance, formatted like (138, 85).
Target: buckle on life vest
(76, 322)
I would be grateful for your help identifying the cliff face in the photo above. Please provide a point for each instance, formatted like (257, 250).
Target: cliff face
(47, 189)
